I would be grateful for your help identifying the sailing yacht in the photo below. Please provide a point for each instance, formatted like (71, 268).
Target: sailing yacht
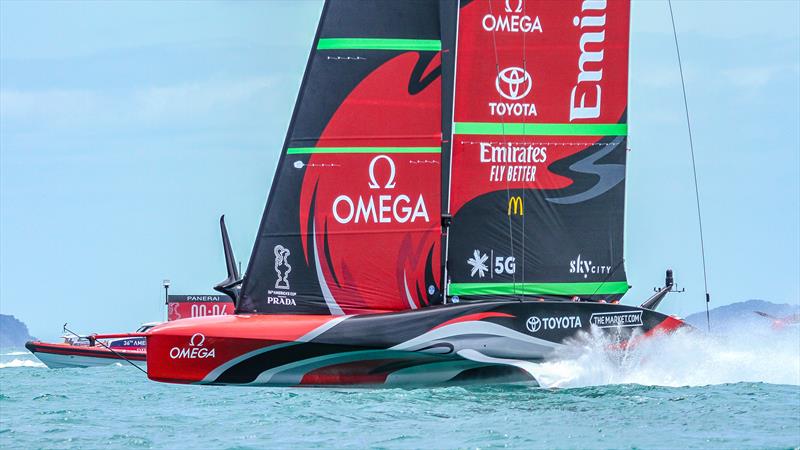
(448, 205)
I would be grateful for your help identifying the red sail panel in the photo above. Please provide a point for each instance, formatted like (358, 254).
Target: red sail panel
(562, 61)
(540, 104)
(371, 192)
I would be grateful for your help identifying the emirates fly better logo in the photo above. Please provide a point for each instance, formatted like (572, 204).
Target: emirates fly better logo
(513, 83)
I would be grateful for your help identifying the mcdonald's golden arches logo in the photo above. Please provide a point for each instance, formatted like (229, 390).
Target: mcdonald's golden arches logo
(516, 206)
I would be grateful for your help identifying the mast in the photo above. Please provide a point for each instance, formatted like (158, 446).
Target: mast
(450, 15)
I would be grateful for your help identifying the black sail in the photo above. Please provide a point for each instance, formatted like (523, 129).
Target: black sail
(351, 223)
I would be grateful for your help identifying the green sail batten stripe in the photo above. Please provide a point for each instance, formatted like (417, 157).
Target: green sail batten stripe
(542, 129)
(311, 150)
(379, 44)
(611, 287)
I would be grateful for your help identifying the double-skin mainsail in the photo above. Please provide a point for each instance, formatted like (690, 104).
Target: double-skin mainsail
(507, 115)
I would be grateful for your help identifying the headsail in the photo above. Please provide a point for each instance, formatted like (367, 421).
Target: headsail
(537, 183)
(352, 221)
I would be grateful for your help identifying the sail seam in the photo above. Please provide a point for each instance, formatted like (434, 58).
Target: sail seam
(542, 129)
(432, 45)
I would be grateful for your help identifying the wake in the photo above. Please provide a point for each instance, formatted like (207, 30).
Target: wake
(21, 363)
(686, 358)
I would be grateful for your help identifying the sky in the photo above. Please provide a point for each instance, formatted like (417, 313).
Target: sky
(127, 128)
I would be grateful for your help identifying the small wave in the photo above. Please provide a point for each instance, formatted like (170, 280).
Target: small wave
(15, 354)
(684, 358)
(20, 363)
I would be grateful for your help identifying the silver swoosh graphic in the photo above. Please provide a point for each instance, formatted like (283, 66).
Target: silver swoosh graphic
(323, 285)
(610, 174)
(410, 299)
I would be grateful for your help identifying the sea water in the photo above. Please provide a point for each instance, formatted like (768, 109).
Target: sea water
(690, 390)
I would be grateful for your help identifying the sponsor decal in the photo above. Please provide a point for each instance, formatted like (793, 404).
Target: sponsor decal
(513, 83)
(534, 323)
(134, 342)
(590, 62)
(173, 312)
(516, 206)
(282, 295)
(197, 298)
(585, 267)
(501, 265)
(383, 208)
(202, 310)
(195, 350)
(182, 306)
(282, 267)
(478, 264)
(512, 163)
(283, 298)
(512, 20)
(617, 319)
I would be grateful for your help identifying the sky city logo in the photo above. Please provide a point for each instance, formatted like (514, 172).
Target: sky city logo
(583, 267)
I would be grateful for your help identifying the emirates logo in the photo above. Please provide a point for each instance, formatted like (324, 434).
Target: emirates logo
(513, 83)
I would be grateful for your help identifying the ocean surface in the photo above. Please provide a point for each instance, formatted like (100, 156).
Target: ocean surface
(691, 390)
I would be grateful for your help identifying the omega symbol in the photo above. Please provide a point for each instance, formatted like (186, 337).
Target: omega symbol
(197, 340)
(373, 184)
(517, 10)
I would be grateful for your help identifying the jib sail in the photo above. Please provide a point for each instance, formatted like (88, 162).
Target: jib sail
(538, 158)
(352, 221)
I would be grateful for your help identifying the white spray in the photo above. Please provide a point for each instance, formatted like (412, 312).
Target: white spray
(685, 358)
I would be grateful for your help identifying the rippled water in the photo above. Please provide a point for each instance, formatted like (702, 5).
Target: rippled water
(690, 391)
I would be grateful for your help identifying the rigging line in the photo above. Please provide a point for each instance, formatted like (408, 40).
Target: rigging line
(107, 347)
(524, 118)
(694, 166)
(503, 131)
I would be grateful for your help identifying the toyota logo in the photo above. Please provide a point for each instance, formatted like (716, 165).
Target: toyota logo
(513, 83)
(533, 324)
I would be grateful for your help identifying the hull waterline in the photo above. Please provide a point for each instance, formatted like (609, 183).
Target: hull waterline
(488, 343)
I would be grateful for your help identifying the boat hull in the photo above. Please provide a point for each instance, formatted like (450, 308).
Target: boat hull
(57, 356)
(489, 342)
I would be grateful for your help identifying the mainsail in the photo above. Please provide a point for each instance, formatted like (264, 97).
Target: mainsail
(352, 221)
(538, 159)
(507, 115)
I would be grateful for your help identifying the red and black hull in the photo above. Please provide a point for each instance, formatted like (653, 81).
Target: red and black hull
(488, 342)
